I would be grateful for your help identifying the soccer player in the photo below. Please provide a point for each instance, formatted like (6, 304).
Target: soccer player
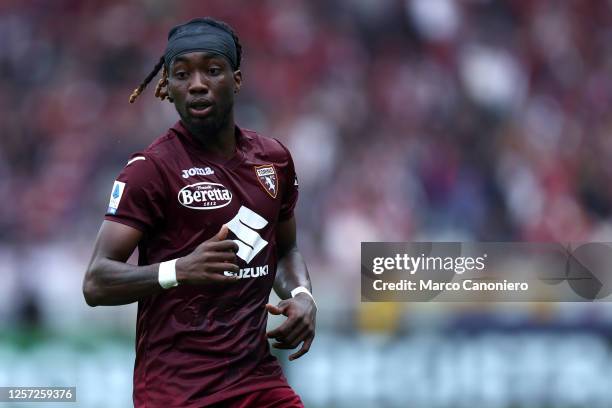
(210, 207)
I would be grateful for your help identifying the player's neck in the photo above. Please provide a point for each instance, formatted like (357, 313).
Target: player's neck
(221, 142)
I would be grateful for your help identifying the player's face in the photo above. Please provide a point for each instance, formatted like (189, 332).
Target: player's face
(202, 86)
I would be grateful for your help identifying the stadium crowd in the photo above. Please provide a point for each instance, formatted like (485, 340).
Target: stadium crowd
(407, 119)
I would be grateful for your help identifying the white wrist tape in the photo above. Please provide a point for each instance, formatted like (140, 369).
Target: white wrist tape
(167, 274)
(301, 289)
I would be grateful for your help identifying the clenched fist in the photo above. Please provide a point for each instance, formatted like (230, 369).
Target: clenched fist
(206, 264)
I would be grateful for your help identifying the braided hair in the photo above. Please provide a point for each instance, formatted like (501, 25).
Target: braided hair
(161, 90)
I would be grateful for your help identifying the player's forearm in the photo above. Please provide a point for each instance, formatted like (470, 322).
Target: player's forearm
(109, 283)
(291, 272)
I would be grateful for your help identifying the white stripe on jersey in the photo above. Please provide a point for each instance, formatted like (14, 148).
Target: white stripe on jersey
(134, 159)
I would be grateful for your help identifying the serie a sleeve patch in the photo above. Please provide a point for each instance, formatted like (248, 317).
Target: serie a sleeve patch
(115, 197)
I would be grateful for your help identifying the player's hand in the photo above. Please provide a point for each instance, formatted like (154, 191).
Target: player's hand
(299, 327)
(208, 262)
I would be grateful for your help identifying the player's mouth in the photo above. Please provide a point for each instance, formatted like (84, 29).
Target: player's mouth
(200, 108)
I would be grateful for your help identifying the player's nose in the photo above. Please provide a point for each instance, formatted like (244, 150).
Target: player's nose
(198, 83)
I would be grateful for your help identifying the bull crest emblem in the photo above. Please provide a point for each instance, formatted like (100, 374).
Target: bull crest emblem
(266, 175)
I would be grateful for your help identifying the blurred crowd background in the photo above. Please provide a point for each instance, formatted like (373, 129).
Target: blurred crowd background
(408, 120)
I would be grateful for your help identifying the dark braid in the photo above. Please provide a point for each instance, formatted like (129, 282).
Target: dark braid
(146, 81)
(161, 88)
(161, 91)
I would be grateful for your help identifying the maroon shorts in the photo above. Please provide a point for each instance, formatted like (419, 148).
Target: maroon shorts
(281, 397)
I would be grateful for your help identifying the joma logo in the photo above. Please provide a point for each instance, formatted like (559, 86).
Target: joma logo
(197, 171)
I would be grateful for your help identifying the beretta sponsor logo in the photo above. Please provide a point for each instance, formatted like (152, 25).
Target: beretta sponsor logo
(204, 196)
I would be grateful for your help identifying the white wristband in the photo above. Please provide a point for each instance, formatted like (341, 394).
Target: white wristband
(301, 289)
(167, 274)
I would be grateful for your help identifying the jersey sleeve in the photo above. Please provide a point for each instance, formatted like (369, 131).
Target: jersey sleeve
(137, 195)
(290, 187)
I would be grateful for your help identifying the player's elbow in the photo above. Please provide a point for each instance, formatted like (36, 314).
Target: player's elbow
(90, 296)
(287, 249)
(91, 292)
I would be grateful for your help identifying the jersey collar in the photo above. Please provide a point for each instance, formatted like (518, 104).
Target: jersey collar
(194, 144)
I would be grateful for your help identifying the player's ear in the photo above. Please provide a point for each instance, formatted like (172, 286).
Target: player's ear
(237, 80)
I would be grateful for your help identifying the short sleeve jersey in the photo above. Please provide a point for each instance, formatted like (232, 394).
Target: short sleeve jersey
(199, 345)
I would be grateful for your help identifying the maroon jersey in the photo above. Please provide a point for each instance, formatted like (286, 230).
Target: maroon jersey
(198, 345)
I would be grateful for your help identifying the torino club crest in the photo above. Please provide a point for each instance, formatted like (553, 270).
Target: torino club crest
(266, 175)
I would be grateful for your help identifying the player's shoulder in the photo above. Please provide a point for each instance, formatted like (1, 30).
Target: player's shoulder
(152, 157)
(266, 147)
(162, 147)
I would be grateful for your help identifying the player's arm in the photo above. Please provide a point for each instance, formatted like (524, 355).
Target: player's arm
(109, 280)
(291, 272)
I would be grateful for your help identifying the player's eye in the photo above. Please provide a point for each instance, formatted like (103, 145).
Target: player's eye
(180, 75)
(214, 71)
